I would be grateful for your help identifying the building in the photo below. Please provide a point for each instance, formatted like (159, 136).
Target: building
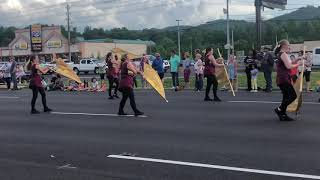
(99, 48)
(51, 40)
(310, 46)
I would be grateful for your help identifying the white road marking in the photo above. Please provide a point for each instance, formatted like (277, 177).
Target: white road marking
(67, 166)
(270, 102)
(93, 114)
(256, 171)
(8, 97)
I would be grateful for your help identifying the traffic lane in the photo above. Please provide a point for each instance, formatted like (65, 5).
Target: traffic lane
(184, 135)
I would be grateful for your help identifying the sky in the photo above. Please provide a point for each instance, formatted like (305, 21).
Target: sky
(132, 14)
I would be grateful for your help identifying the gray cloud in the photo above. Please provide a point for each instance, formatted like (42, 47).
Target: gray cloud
(133, 14)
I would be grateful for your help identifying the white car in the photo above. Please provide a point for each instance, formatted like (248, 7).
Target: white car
(86, 66)
(316, 57)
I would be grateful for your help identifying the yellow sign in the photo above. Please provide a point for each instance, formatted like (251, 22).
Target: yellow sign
(54, 44)
(36, 37)
(23, 46)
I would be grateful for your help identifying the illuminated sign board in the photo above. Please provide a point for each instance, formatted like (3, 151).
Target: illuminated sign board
(36, 37)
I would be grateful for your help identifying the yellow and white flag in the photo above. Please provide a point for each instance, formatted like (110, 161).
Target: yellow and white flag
(223, 77)
(295, 106)
(154, 80)
(63, 69)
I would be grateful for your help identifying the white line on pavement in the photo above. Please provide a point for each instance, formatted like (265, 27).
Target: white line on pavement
(8, 97)
(67, 166)
(93, 114)
(256, 171)
(269, 102)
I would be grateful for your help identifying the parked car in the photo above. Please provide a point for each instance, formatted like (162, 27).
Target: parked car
(86, 66)
(316, 57)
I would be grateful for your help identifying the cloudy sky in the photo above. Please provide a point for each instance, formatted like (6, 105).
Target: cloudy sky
(133, 14)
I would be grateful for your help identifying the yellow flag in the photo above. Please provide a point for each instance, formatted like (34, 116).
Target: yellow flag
(223, 77)
(154, 80)
(295, 106)
(63, 69)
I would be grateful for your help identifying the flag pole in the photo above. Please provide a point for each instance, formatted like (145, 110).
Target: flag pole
(225, 71)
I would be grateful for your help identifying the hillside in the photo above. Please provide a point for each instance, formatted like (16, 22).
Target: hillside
(305, 13)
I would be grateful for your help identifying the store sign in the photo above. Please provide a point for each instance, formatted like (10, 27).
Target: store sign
(54, 44)
(36, 37)
(22, 46)
(274, 4)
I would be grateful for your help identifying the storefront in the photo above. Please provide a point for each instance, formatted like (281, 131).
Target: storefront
(50, 41)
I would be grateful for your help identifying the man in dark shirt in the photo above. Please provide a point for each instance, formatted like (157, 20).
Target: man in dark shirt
(249, 62)
(267, 64)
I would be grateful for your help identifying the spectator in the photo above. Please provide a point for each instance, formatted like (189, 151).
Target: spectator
(73, 86)
(7, 75)
(102, 71)
(187, 69)
(94, 85)
(254, 76)
(294, 71)
(174, 64)
(20, 73)
(13, 70)
(199, 67)
(56, 83)
(144, 60)
(113, 74)
(267, 68)
(249, 61)
(307, 72)
(157, 64)
(232, 70)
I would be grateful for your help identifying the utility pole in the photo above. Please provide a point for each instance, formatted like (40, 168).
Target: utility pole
(191, 48)
(258, 4)
(232, 40)
(228, 30)
(179, 47)
(69, 36)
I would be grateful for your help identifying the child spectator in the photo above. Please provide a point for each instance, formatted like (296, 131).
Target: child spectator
(232, 71)
(94, 85)
(198, 67)
(254, 76)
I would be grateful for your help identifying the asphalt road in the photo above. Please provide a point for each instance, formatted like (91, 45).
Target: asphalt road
(231, 134)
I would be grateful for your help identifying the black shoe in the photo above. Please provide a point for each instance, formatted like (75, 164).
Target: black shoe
(116, 96)
(47, 109)
(138, 113)
(111, 97)
(34, 111)
(208, 99)
(122, 114)
(217, 99)
(287, 118)
(281, 116)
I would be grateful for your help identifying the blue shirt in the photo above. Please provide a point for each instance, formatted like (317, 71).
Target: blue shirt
(157, 64)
